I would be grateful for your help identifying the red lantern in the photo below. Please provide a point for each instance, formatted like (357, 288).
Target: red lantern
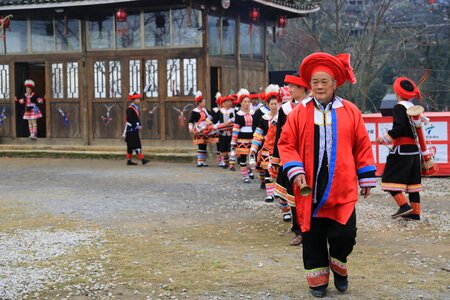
(5, 22)
(254, 14)
(282, 22)
(121, 15)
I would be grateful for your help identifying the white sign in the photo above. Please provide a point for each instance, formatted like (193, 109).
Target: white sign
(440, 153)
(371, 131)
(383, 153)
(383, 128)
(374, 151)
(436, 131)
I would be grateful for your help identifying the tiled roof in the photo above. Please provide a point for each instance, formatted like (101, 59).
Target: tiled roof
(292, 6)
(295, 6)
(27, 4)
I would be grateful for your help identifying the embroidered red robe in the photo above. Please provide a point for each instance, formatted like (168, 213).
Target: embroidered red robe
(351, 160)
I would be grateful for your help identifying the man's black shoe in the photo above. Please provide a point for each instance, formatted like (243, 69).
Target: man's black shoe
(412, 217)
(405, 209)
(131, 163)
(319, 292)
(145, 161)
(340, 282)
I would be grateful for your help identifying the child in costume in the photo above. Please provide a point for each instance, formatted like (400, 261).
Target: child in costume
(32, 112)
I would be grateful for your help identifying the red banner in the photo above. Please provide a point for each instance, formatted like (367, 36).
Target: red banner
(436, 133)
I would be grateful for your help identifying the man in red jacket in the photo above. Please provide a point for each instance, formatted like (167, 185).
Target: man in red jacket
(325, 145)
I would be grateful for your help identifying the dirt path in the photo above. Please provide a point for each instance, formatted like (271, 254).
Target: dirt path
(154, 232)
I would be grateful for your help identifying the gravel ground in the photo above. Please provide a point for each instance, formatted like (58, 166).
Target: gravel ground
(115, 197)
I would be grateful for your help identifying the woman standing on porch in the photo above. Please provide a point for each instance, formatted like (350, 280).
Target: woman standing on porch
(32, 112)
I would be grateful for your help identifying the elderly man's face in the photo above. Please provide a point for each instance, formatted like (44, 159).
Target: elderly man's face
(297, 92)
(323, 86)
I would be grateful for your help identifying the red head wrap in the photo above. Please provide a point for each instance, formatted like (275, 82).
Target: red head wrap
(272, 91)
(404, 93)
(337, 66)
(226, 98)
(243, 93)
(219, 99)
(29, 83)
(198, 97)
(262, 96)
(297, 80)
(133, 96)
(254, 96)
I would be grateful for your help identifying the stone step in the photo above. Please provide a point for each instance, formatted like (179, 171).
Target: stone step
(174, 154)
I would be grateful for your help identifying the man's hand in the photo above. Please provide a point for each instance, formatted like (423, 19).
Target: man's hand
(365, 191)
(380, 140)
(300, 180)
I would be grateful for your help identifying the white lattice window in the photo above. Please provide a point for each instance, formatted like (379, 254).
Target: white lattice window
(115, 79)
(100, 79)
(72, 80)
(151, 78)
(58, 81)
(173, 77)
(189, 76)
(4, 81)
(135, 76)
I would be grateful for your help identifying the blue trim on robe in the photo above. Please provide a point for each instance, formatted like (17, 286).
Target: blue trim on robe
(332, 161)
(292, 164)
(366, 169)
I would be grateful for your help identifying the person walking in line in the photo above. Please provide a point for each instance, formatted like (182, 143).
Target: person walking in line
(402, 173)
(264, 138)
(241, 138)
(298, 89)
(325, 144)
(200, 124)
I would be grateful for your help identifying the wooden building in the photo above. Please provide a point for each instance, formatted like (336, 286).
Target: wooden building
(87, 56)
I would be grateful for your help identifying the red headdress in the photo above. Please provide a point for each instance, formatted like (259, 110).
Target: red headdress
(262, 95)
(254, 96)
(404, 93)
(243, 93)
(337, 67)
(297, 80)
(29, 83)
(133, 96)
(228, 97)
(272, 90)
(235, 99)
(198, 97)
(219, 99)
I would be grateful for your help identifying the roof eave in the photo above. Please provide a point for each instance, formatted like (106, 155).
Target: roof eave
(61, 5)
(288, 9)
